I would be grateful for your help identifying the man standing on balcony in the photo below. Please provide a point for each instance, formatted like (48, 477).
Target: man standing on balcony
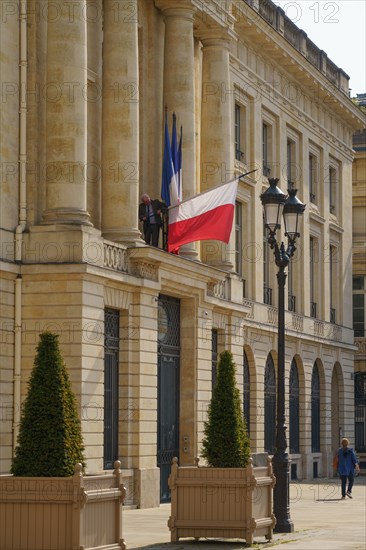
(150, 215)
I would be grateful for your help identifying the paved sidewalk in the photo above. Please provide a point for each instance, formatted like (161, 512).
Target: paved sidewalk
(322, 522)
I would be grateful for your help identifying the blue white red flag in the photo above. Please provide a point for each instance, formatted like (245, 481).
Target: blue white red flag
(169, 184)
(177, 157)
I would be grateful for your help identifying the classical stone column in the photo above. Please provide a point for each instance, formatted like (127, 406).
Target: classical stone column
(120, 154)
(66, 115)
(217, 150)
(179, 87)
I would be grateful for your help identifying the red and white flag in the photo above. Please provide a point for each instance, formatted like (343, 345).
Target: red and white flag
(207, 216)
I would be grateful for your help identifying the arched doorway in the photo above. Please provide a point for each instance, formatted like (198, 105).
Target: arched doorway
(168, 388)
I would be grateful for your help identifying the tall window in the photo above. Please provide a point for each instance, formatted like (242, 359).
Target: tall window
(238, 238)
(312, 178)
(246, 392)
(359, 293)
(332, 190)
(294, 409)
(265, 149)
(360, 412)
(269, 406)
(267, 290)
(290, 162)
(111, 369)
(315, 410)
(239, 145)
(313, 311)
(214, 336)
(332, 281)
(290, 286)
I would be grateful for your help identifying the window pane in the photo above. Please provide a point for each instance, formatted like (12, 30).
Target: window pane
(359, 301)
(358, 315)
(358, 283)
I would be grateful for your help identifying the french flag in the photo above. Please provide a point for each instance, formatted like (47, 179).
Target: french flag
(177, 157)
(169, 185)
(207, 216)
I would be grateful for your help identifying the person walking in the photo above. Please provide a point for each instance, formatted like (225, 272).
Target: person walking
(347, 464)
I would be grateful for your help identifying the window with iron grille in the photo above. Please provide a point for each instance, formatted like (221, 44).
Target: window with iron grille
(269, 406)
(360, 412)
(111, 376)
(359, 317)
(315, 410)
(294, 396)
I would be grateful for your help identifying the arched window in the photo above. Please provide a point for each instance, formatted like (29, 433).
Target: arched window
(315, 410)
(294, 409)
(246, 392)
(269, 406)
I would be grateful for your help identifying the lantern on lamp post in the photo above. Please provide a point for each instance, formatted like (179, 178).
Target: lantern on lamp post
(275, 206)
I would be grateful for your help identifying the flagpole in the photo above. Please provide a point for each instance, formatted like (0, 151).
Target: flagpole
(212, 188)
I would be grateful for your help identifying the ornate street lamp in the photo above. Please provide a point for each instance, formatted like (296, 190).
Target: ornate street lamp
(275, 205)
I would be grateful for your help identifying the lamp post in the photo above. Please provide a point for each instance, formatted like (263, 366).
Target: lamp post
(275, 204)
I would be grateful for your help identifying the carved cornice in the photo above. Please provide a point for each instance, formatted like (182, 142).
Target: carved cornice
(289, 46)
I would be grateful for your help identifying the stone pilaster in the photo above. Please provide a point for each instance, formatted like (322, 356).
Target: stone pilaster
(217, 151)
(66, 117)
(120, 154)
(179, 88)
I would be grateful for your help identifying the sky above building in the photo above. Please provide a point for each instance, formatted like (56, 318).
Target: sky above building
(338, 28)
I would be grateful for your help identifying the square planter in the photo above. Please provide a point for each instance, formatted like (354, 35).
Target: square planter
(228, 503)
(62, 513)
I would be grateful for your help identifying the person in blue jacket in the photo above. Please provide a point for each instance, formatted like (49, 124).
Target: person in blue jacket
(347, 463)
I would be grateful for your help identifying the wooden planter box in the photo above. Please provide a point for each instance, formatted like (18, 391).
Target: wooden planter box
(62, 513)
(225, 503)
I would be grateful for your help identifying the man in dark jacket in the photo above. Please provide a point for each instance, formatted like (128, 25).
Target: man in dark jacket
(347, 463)
(150, 215)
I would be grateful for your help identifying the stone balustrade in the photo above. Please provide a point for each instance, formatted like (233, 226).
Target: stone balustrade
(115, 256)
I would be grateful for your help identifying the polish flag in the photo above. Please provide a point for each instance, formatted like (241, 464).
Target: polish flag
(207, 216)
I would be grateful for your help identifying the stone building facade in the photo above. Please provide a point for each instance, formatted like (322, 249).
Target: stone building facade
(359, 284)
(84, 87)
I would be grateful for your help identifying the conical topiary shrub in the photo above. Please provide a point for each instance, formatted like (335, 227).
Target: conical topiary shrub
(50, 441)
(226, 442)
